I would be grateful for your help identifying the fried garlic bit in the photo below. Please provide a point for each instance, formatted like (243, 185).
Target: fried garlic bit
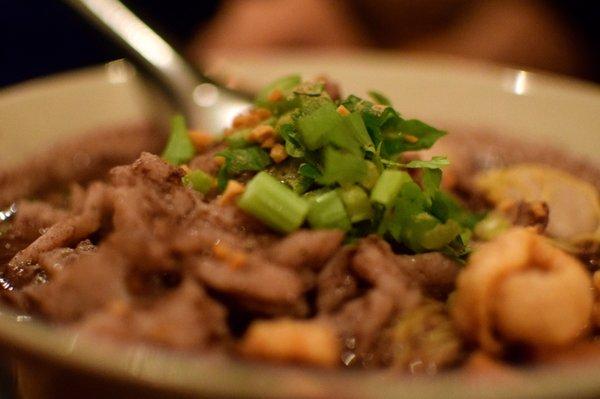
(518, 288)
(307, 342)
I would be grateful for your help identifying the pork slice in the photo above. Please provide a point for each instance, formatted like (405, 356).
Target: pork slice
(434, 272)
(88, 284)
(54, 261)
(376, 263)
(306, 248)
(258, 279)
(33, 217)
(23, 268)
(335, 282)
(360, 322)
(184, 319)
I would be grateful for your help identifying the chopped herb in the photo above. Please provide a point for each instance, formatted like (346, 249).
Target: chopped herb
(327, 212)
(273, 203)
(179, 148)
(238, 160)
(379, 98)
(198, 180)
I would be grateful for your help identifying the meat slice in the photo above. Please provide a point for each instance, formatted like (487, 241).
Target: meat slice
(359, 324)
(68, 231)
(306, 248)
(434, 272)
(184, 319)
(257, 279)
(91, 282)
(376, 263)
(33, 217)
(335, 283)
(53, 262)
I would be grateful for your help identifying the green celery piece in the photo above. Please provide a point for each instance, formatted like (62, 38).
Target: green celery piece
(238, 160)
(198, 180)
(327, 212)
(239, 138)
(372, 175)
(179, 148)
(285, 127)
(285, 84)
(436, 162)
(273, 203)
(342, 168)
(388, 186)
(316, 125)
(409, 202)
(357, 203)
(444, 206)
(309, 170)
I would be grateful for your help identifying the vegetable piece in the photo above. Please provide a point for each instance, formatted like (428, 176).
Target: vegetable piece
(179, 148)
(357, 203)
(379, 98)
(491, 226)
(273, 203)
(356, 128)
(342, 168)
(388, 186)
(327, 212)
(395, 143)
(198, 180)
(238, 160)
(239, 138)
(316, 125)
(284, 85)
(372, 175)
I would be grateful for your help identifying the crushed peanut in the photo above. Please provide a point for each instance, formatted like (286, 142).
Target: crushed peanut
(275, 95)
(261, 133)
(234, 258)
(201, 140)
(410, 138)
(233, 190)
(343, 110)
(219, 160)
(268, 143)
(278, 153)
(249, 119)
(262, 113)
(186, 169)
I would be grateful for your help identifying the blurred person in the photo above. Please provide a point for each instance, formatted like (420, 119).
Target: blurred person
(526, 33)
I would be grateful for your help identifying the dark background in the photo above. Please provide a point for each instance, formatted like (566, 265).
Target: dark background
(41, 37)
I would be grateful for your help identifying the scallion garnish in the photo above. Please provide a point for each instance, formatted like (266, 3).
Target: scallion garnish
(273, 203)
(198, 180)
(179, 148)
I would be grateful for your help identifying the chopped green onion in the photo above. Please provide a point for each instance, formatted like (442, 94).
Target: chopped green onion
(356, 127)
(179, 148)
(388, 186)
(379, 98)
(327, 212)
(238, 160)
(440, 235)
(273, 203)
(198, 180)
(342, 168)
(239, 138)
(314, 126)
(371, 177)
(357, 203)
(285, 84)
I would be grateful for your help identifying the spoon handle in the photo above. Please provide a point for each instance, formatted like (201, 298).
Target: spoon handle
(163, 62)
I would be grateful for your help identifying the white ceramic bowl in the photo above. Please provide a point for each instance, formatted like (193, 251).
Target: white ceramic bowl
(56, 363)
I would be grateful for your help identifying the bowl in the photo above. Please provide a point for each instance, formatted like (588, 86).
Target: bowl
(56, 362)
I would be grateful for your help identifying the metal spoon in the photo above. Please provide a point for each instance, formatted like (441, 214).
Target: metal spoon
(207, 106)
